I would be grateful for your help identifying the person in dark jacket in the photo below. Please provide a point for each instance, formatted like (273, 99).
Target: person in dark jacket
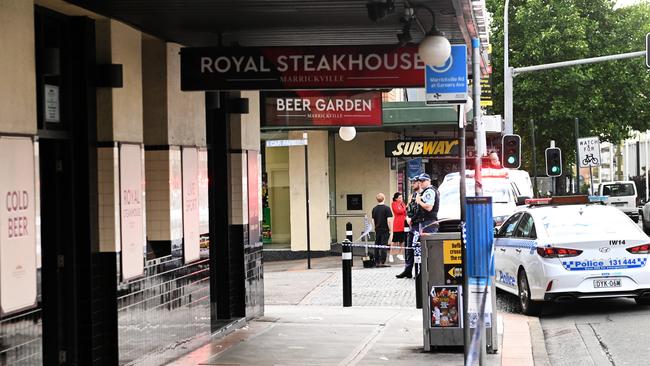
(380, 215)
(411, 210)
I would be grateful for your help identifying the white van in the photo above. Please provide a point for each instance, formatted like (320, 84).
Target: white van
(622, 195)
(497, 183)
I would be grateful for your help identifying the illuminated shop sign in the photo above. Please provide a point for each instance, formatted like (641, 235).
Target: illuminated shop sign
(276, 68)
(321, 108)
(436, 148)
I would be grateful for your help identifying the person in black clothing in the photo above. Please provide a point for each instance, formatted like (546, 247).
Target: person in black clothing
(411, 210)
(380, 215)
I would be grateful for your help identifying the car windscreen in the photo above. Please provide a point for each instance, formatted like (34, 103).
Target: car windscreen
(565, 221)
(499, 190)
(618, 189)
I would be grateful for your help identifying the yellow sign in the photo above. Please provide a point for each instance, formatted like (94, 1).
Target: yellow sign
(395, 148)
(452, 251)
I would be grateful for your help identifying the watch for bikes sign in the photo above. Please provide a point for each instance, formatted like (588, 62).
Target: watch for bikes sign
(589, 151)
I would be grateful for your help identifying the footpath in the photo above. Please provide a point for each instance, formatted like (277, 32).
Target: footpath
(304, 323)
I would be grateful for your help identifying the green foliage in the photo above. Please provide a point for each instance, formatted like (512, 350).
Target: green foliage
(610, 98)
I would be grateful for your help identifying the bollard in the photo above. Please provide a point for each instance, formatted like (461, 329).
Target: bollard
(349, 237)
(346, 260)
(417, 262)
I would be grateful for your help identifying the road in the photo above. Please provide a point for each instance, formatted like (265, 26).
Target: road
(592, 332)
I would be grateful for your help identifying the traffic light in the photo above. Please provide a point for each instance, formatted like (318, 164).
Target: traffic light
(553, 162)
(511, 150)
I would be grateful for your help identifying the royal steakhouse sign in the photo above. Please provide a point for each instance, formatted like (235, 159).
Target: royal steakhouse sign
(321, 108)
(430, 148)
(277, 68)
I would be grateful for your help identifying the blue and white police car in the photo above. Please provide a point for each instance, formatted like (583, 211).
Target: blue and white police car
(564, 248)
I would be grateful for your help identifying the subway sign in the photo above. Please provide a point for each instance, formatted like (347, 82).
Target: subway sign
(309, 67)
(429, 147)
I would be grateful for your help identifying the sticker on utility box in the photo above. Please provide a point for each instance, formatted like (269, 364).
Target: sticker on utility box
(452, 251)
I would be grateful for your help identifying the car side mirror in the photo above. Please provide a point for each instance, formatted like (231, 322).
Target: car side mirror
(521, 200)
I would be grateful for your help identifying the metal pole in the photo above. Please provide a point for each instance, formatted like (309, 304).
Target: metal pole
(576, 182)
(461, 134)
(346, 261)
(647, 159)
(478, 186)
(638, 158)
(584, 61)
(476, 94)
(507, 73)
(304, 135)
(532, 132)
(591, 180)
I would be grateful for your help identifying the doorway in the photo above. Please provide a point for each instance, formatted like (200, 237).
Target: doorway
(56, 233)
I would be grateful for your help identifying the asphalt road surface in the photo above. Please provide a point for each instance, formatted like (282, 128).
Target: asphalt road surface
(602, 332)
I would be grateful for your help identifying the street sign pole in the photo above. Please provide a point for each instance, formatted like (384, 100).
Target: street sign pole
(591, 180)
(304, 136)
(532, 132)
(576, 180)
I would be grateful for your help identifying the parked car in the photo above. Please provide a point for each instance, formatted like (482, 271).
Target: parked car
(622, 195)
(562, 251)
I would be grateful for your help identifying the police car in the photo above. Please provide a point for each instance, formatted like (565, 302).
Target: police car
(563, 248)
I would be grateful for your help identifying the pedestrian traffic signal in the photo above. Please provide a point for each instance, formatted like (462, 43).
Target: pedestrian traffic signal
(553, 162)
(511, 150)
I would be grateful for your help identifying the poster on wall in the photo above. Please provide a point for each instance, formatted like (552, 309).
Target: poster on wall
(131, 211)
(17, 223)
(254, 187)
(191, 235)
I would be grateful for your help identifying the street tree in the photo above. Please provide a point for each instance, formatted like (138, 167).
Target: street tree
(610, 99)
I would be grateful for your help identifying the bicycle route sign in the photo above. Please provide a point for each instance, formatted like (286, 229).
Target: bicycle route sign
(589, 151)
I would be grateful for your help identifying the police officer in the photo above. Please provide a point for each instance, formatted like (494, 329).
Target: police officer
(428, 202)
(411, 211)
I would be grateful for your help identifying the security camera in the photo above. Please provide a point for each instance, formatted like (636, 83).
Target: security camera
(379, 10)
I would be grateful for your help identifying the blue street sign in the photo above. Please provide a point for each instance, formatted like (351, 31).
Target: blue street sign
(414, 167)
(447, 84)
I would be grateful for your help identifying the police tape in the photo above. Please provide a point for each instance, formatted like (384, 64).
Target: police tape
(378, 246)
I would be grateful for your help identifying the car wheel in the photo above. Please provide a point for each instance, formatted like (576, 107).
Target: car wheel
(642, 300)
(528, 306)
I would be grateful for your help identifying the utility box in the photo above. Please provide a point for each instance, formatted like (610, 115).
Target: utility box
(442, 289)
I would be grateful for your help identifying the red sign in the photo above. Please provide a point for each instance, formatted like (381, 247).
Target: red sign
(276, 68)
(321, 108)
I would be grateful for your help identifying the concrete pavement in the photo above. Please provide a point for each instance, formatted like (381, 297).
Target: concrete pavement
(305, 324)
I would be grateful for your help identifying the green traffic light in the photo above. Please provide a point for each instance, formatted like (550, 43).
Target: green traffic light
(555, 169)
(511, 159)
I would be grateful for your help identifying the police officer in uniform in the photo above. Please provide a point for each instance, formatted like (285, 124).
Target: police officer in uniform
(428, 202)
(411, 211)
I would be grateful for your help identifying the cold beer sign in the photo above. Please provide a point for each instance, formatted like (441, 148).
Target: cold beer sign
(321, 108)
(17, 224)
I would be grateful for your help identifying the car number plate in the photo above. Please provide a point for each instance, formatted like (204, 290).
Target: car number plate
(607, 283)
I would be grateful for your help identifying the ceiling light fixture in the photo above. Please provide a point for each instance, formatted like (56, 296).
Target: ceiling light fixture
(434, 49)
